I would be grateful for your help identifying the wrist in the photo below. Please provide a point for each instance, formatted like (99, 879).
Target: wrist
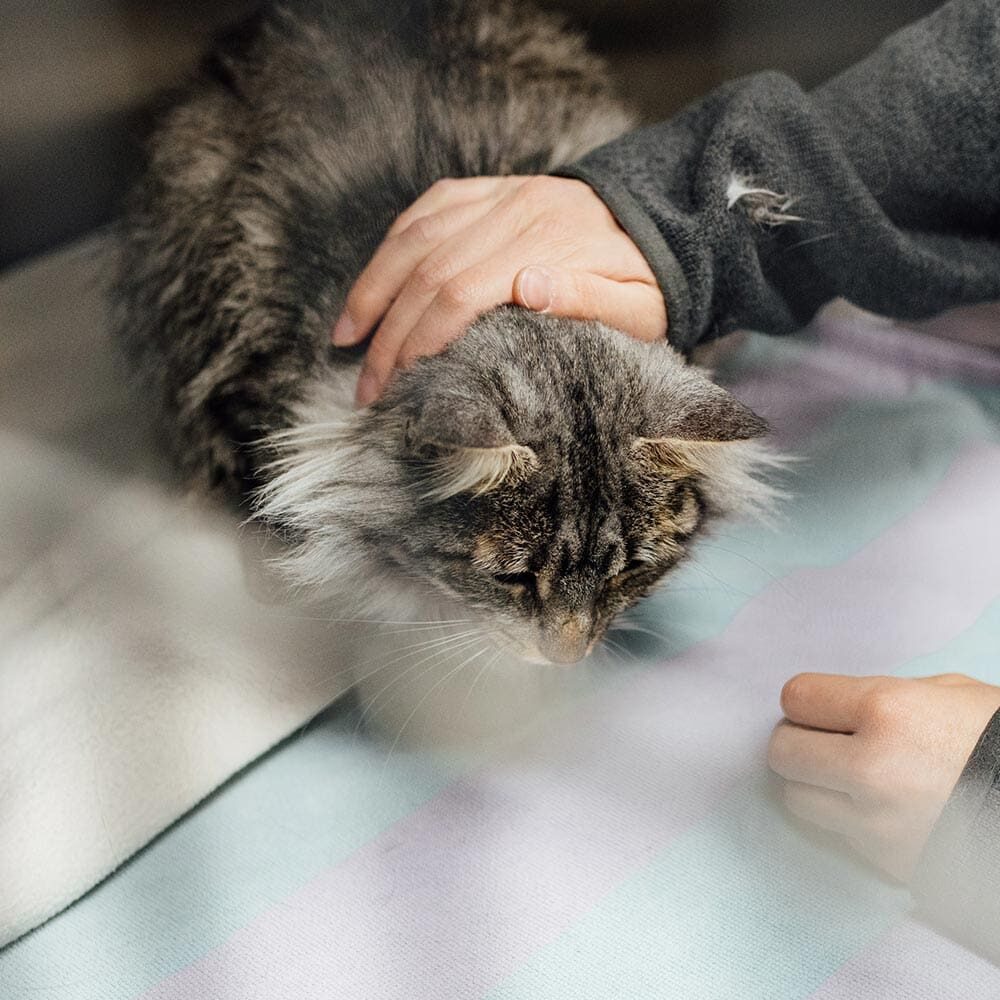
(641, 229)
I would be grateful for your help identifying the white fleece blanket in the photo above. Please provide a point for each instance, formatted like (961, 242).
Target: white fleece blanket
(137, 672)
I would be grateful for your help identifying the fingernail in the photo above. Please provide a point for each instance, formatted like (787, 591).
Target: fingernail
(343, 331)
(367, 390)
(535, 288)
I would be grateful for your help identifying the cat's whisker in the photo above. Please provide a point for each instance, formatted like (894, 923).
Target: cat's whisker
(425, 623)
(435, 640)
(445, 652)
(641, 629)
(405, 627)
(623, 626)
(634, 620)
(623, 650)
(426, 627)
(724, 584)
(398, 655)
(607, 654)
(401, 655)
(436, 645)
(667, 587)
(475, 680)
(437, 633)
(708, 544)
(441, 680)
(427, 665)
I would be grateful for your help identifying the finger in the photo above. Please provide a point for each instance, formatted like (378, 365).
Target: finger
(812, 756)
(634, 307)
(446, 317)
(460, 293)
(451, 192)
(489, 283)
(822, 807)
(399, 259)
(827, 701)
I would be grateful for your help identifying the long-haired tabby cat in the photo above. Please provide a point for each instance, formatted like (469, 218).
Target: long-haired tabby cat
(540, 475)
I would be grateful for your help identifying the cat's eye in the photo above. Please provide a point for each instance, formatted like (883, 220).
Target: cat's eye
(526, 580)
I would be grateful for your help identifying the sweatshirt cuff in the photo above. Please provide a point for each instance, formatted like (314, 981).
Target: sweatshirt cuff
(957, 882)
(634, 219)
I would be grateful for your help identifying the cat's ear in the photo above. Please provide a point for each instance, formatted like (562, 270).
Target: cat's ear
(465, 445)
(708, 414)
(680, 438)
(450, 420)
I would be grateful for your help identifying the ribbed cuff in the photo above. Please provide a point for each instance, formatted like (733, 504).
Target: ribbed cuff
(634, 219)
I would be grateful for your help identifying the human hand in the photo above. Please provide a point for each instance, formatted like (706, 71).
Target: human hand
(545, 243)
(874, 759)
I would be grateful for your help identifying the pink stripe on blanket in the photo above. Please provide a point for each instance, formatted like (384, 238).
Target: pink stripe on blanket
(455, 897)
(912, 962)
(963, 345)
(851, 359)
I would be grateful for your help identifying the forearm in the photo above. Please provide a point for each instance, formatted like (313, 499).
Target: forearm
(883, 181)
(957, 882)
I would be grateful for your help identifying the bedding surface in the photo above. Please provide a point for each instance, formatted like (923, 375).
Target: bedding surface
(622, 841)
(137, 671)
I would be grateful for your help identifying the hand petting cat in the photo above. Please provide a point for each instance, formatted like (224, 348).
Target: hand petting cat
(874, 759)
(546, 243)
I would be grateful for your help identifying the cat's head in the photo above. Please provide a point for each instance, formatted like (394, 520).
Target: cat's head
(544, 473)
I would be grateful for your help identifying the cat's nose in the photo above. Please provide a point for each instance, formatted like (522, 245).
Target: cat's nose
(567, 640)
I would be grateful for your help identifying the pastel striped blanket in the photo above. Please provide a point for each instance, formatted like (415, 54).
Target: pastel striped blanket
(627, 843)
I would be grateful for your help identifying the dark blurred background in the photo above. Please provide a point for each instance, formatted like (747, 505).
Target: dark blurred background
(77, 78)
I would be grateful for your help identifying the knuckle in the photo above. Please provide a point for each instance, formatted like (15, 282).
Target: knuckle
(882, 706)
(536, 192)
(455, 294)
(426, 229)
(432, 274)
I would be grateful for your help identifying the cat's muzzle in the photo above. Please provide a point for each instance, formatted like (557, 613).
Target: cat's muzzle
(567, 640)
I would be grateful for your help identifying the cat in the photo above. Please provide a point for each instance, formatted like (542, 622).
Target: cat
(537, 477)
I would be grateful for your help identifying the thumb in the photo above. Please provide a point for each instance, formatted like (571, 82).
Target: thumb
(634, 307)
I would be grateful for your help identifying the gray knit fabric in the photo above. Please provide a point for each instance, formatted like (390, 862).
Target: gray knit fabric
(882, 186)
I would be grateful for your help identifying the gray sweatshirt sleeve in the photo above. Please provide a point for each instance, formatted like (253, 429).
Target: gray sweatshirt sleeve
(761, 202)
(957, 882)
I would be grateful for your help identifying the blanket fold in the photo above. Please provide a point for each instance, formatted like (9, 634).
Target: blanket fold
(137, 671)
